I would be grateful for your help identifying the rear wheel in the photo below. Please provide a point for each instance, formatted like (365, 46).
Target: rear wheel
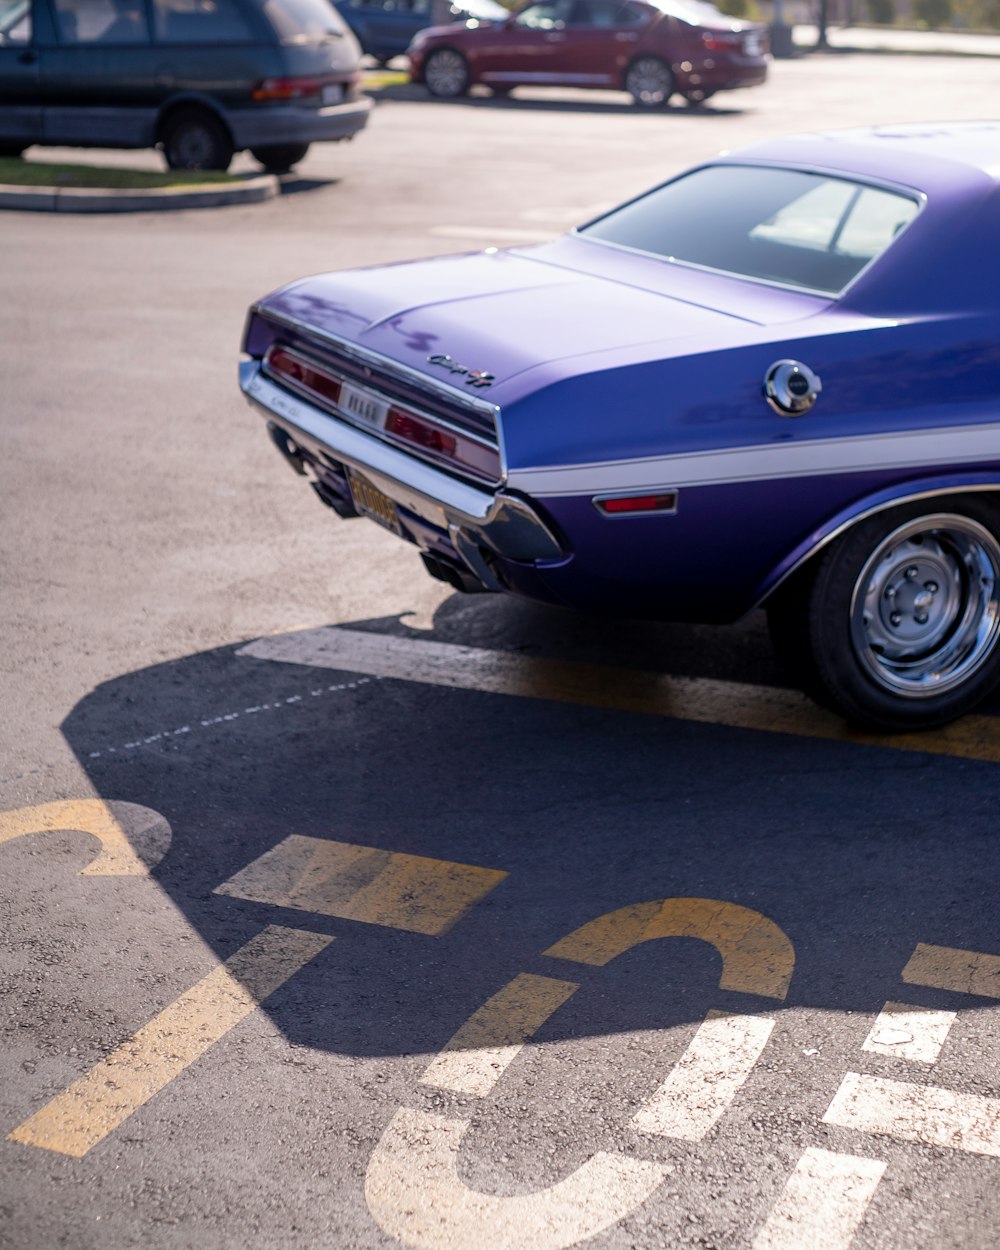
(278, 158)
(897, 625)
(196, 139)
(649, 82)
(12, 149)
(446, 74)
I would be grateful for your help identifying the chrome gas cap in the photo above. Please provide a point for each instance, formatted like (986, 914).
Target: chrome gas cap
(791, 387)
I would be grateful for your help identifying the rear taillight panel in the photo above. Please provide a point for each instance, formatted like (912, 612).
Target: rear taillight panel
(431, 437)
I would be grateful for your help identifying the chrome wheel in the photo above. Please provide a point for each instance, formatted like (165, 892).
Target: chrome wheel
(925, 611)
(446, 74)
(649, 82)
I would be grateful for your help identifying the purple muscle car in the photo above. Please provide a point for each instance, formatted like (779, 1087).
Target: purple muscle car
(774, 379)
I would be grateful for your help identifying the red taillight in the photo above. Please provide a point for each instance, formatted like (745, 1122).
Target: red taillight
(447, 444)
(289, 89)
(623, 505)
(294, 368)
(413, 430)
(714, 41)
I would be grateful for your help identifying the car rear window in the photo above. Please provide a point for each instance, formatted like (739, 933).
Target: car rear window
(304, 21)
(787, 226)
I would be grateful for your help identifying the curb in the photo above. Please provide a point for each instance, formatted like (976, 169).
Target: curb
(151, 199)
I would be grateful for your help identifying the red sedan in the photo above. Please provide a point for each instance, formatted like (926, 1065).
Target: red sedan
(650, 48)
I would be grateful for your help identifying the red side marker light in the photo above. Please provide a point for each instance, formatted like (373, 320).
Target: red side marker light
(634, 505)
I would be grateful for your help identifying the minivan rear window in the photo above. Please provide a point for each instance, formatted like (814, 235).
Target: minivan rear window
(792, 227)
(304, 21)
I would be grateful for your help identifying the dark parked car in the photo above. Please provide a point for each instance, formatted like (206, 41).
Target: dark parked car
(650, 48)
(385, 28)
(771, 380)
(199, 78)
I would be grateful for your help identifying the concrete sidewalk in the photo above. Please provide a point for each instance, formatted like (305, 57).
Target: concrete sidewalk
(888, 39)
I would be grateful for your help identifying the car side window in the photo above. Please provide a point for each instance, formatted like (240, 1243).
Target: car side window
(15, 23)
(603, 14)
(200, 21)
(546, 16)
(101, 21)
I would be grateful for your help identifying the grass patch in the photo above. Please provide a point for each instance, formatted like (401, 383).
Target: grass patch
(21, 173)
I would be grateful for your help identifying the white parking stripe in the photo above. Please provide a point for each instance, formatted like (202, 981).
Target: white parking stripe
(946, 968)
(822, 1204)
(706, 1078)
(918, 1113)
(906, 1032)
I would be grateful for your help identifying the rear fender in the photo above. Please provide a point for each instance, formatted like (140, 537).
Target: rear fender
(869, 505)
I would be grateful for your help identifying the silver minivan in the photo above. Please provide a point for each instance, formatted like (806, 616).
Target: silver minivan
(199, 79)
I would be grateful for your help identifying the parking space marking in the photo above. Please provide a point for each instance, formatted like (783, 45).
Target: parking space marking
(410, 892)
(493, 1036)
(735, 704)
(822, 1204)
(919, 1113)
(706, 1078)
(947, 968)
(757, 957)
(133, 838)
(415, 1193)
(84, 1114)
(906, 1032)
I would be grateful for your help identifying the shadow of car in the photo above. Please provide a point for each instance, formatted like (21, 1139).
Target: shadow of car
(385, 28)
(650, 48)
(200, 79)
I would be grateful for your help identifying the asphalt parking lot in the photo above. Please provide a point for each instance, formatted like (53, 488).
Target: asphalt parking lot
(342, 910)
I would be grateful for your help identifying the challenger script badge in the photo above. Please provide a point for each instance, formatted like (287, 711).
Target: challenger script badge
(473, 377)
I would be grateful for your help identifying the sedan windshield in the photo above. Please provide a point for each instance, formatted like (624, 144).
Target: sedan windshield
(776, 225)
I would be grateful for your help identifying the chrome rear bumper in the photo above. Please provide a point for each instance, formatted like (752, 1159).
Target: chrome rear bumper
(471, 516)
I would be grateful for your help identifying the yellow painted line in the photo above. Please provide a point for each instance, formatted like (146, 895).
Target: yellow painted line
(410, 892)
(736, 704)
(918, 1113)
(415, 1193)
(133, 838)
(905, 1032)
(494, 1035)
(945, 968)
(707, 1077)
(84, 1114)
(823, 1203)
(757, 957)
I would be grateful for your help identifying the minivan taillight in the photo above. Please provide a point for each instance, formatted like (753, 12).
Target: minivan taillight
(289, 89)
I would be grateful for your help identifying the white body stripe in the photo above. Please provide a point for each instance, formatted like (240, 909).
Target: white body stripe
(909, 449)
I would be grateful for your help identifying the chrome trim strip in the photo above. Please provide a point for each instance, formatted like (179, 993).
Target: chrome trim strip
(729, 465)
(386, 364)
(504, 523)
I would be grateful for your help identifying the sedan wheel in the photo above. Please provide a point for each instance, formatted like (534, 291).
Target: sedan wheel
(649, 82)
(446, 74)
(898, 626)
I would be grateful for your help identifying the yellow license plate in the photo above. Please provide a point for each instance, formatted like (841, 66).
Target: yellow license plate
(373, 503)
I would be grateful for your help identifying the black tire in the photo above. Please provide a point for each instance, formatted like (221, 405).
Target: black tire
(278, 158)
(501, 93)
(649, 81)
(12, 149)
(694, 99)
(196, 139)
(896, 625)
(446, 74)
